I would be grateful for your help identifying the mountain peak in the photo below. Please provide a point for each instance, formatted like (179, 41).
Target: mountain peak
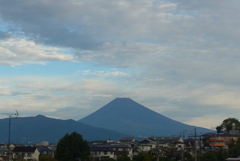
(127, 116)
(121, 104)
(121, 100)
(41, 116)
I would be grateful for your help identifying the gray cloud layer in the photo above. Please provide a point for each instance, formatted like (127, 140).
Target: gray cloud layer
(184, 54)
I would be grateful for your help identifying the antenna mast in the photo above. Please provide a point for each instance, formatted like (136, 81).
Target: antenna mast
(10, 115)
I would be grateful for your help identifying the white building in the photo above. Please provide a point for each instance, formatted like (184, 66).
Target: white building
(26, 153)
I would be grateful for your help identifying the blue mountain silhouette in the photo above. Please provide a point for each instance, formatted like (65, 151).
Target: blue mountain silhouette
(127, 116)
(41, 128)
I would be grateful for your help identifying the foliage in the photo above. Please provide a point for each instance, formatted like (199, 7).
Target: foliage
(222, 154)
(143, 156)
(219, 129)
(123, 158)
(226, 125)
(72, 147)
(18, 157)
(46, 158)
(234, 148)
(172, 153)
(209, 156)
(110, 159)
(206, 143)
(234, 152)
(187, 156)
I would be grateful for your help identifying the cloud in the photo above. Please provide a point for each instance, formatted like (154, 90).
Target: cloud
(118, 73)
(49, 95)
(81, 24)
(21, 51)
(178, 58)
(55, 95)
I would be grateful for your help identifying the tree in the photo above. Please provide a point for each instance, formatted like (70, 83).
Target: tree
(209, 157)
(188, 156)
(143, 156)
(234, 148)
(45, 158)
(72, 147)
(219, 129)
(222, 154)
(110, 159)
(123, 158)
(227, 124)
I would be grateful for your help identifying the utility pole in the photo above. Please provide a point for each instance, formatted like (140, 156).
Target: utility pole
(195, 143)
(10, 115)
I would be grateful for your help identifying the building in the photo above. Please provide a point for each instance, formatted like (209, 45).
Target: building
(127, 140)
(221, 140)
(104, 151)
(46, 151)
(26, 153)
(170, 142)
(146, 145)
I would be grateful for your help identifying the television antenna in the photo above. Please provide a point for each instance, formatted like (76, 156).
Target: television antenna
(10, 115)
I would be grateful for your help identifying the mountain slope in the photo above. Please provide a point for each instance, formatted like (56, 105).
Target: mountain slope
(126, 116)
(41, 128)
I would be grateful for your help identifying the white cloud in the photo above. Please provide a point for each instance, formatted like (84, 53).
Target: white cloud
(206, 121)
(117, 73)
(49, 95)
(20, 51)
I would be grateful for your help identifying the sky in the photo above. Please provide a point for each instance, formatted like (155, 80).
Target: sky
(67, 58)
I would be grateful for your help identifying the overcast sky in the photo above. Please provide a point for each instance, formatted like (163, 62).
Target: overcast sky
(67, 58)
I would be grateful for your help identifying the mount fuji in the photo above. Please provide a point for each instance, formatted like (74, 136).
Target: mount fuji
(129, 117)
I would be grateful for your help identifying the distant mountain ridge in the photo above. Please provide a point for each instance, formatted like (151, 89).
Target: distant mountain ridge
(127, 116)
(41, 128)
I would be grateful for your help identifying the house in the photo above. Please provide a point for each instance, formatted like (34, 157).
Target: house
(127, 140)
(101, 152)
(26, 153)
(104, 151)
(169, 142)
(146, 145)
(3, 145)
(46, 151)
(4, 152)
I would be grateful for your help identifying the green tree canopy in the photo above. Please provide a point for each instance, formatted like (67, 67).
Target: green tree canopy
(222, 154)
(209, 157)
(234, 148)
(46, 158)
(227, 125)
(72, 147)
(110, 159)
(123, 158)
(143, 156)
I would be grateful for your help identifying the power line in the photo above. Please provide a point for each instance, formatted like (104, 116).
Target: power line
(10, 115)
